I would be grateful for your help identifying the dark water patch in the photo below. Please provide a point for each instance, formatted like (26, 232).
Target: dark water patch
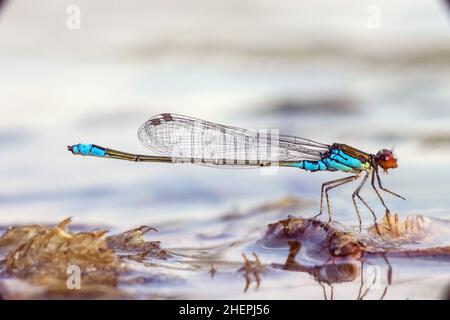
(436, 141)
(2, 4)
(181, 193)
(297, 106)
(401, 56)
(282, 206)
(84, 194)
(111, 117)
(14, 136)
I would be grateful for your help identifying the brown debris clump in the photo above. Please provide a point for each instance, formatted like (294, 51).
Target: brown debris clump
(413, 230)
(395, 238)
(15, 237)
(392, 227)
(46, 257)
(133, 240)
(338, 242)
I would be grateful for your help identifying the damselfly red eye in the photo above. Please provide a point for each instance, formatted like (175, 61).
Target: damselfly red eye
(386, 160)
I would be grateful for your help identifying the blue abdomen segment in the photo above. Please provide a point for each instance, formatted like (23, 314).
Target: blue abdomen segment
(88, 150)
(311, 165)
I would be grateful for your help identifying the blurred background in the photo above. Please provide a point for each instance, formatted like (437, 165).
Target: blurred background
(371, 74)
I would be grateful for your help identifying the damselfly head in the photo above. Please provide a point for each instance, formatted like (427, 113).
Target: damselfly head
(386, 160)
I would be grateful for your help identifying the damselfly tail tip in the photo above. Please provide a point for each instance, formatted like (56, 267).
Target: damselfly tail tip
(70, 148)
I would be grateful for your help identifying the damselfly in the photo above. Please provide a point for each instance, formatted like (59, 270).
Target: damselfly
(182, 139)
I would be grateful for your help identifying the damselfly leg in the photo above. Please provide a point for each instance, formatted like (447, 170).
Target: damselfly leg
(356, 194)
(326, 187)
(384, 189)
(388, 212)
(378, 194)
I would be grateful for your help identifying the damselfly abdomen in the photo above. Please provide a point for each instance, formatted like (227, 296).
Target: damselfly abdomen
(182, 139)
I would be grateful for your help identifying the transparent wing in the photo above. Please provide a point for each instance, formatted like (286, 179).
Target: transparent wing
(212, 144)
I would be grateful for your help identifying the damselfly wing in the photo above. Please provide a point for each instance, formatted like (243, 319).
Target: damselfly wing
(211, 144)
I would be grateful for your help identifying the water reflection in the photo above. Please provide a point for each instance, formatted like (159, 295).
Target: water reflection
(335, 271)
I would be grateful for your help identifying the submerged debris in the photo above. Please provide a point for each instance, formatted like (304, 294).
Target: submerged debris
(212, 271)
(329, 272)
(334, 254)
(324, 236)
(252, 268)
(412, 228)
(40, 262)
(396, 236)
(133, 240)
